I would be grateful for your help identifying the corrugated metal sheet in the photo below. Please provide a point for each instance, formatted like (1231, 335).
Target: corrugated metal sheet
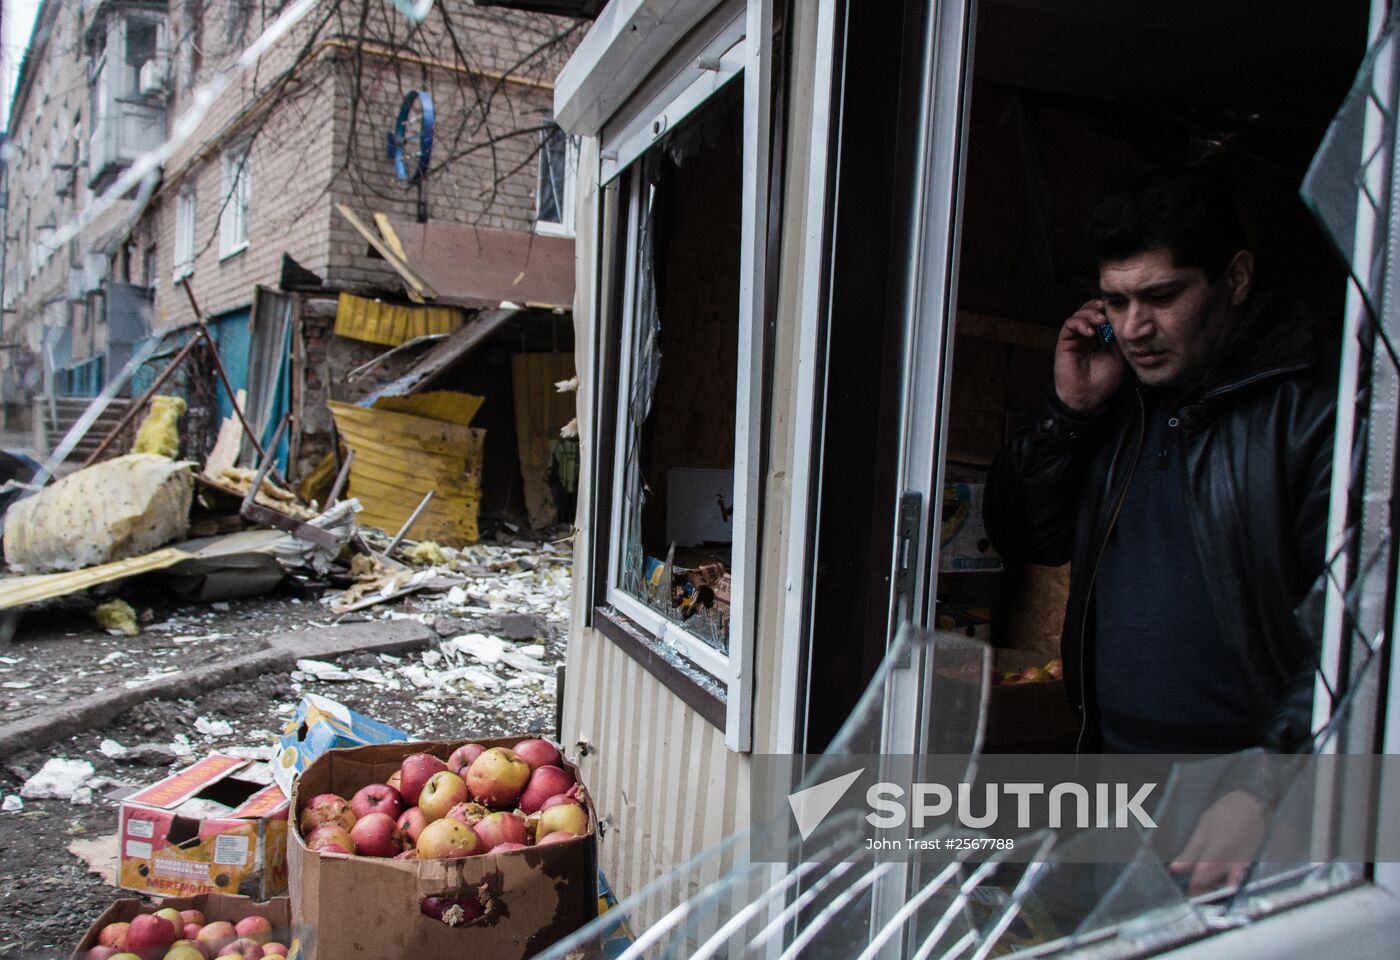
(449, 406)
(21, 591)
(391, 324)
(399, 458)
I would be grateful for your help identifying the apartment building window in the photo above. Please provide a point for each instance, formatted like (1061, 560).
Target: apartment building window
(233, 218)
(185, 209)
(554, 200)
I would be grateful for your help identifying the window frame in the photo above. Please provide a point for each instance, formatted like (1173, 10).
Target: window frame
(622, 617)
(235, 200)
(186, 226)
(565, 226)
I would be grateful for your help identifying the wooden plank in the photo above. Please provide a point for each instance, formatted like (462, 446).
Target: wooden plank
(540, 411)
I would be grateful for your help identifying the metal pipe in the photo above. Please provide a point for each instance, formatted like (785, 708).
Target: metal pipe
(266, 464)
(340, 479)
(140, 404)
(408, 524)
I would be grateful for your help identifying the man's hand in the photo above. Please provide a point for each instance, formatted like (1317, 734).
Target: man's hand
(1225, 842)
(1087, 373)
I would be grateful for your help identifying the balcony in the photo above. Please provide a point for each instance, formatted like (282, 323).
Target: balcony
(128, 81)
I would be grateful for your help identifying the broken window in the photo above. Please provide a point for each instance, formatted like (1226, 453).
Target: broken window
(674, 515)
(554, 200)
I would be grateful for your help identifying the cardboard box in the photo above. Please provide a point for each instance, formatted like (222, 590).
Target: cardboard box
(963, 544)
(322, 724)
(219, 826)
(351, 906)
(214, 906)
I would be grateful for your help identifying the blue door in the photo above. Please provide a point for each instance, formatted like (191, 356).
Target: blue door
(232, 336)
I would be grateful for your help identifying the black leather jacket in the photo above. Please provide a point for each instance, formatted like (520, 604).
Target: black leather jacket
(1257, 448)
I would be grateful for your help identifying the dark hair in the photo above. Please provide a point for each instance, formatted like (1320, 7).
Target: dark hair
(1184, 211)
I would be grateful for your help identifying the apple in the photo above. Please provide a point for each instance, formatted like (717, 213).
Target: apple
(497, 777)
(256, 928)
(1056, 669)
(1033, 675)
(274, 949)
(184, 950)
(508, 847)
(216, 935)
(418, 769)
(558, 836)
(463, 756)
(395, 779)
(453, 911)
(176, 921)
(246, 947)
(192, 916)
(410, 854)
(570, 817)
(114, 935)
(411, 823)
(376, 798)
(447, 840)
(537, 753)
(191, 930)
(469, 812)
(150, 934)
(547, 781)
(497, 828)
(125, 956)
(375, 835)
(100, 952)
(326, 808)
(443, 791)
(331, 834)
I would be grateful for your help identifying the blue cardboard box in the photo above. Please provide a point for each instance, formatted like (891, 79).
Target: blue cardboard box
(322, 724)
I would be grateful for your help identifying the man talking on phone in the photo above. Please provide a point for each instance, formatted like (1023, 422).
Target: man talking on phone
(1182, 465)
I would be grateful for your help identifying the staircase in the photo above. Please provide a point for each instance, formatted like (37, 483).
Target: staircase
(48, 435)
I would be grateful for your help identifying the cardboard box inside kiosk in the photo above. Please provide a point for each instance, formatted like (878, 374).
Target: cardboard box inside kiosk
(372, 906)
(214, 906)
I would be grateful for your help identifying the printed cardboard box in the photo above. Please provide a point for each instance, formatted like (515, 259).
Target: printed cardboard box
(322, 724)
(352, 906)
(214, 906)
(219, 826)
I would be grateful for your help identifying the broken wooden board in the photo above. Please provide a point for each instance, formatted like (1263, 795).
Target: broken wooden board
(540, 411)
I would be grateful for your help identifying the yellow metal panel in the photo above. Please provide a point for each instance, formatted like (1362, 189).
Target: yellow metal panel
(20, 591)
(399, 458)
(391, 324)
(448, 406)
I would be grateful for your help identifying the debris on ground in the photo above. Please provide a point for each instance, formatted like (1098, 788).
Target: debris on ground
(429, 554)
(117, 616)
(59, 779)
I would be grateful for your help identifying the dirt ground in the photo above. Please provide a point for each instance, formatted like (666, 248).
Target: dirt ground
(50, 895)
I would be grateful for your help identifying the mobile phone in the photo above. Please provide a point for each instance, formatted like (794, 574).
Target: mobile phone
(1106, 334)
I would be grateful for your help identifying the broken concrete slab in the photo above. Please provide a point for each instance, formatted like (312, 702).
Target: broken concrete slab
(508, 626)
(281, 653)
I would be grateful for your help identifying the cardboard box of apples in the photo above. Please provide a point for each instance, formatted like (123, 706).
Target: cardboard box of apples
(434, 850)
(190, 928)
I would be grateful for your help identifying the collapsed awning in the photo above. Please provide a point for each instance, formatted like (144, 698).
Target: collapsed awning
(453, 263)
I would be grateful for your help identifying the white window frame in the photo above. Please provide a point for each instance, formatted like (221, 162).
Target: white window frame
(728, 54)
(235, 200)
(186, 221)
(564, 226)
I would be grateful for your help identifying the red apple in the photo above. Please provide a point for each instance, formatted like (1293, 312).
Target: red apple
(257, 928)
(244, 947)
(547, 781)
(274, 949)
(537, 753)
(376, 798)
(443, 791)
(418, 769)
(173, 915)
(216, 935)
(114, 935)
(497, 777)
(331, 834)
(497, 828)
(558, 836)
(375, 835)
(447, 840)
(508, 847)
(126, 956)
(191, 930)
(100, 952)
(463, 756)
(453, 911)
(192, 916)
(150, 934)
(326, 808)
(411, 823)
(569, 817)
(395, 779)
